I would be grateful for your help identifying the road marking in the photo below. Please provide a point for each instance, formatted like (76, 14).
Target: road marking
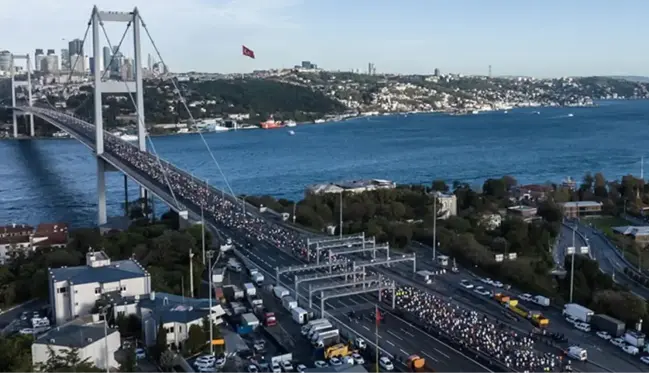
(390, 343)
(407, 332)
(405, 353)
(353, 301)
(443, 354)
(366, 328)
(428, 355)
(394, 335)
(272, 259)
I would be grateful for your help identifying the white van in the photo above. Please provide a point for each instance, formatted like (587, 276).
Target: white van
(234, 265)
(577, 353)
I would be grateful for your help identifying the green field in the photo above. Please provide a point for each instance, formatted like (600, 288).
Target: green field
(605, 224)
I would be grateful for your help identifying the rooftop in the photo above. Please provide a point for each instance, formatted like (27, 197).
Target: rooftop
(73, 336)
(631, 230)
(48, 229)
(16, 228)
(176, 308)
(574, 204)
(115, 271)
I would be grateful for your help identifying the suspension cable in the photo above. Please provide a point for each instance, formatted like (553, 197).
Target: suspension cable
(184, 102)
(140, 122)
(110, 62)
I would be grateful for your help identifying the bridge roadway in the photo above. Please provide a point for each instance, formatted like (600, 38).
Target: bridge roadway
(267, 254)
(267, 257)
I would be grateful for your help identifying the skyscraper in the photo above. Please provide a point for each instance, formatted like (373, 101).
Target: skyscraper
(75, 47)
(65, 59)
(107, 55)
(51, 52)
(5, 60)
(38, 57)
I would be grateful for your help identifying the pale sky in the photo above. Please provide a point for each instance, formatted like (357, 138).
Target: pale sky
(517, 37)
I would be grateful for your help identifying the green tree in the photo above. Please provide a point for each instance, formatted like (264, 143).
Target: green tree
(196, 339)
(15, 353)
(166, 360)
(129, 364)
(160, 341)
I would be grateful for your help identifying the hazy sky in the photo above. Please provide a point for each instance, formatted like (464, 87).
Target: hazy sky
(517, 37)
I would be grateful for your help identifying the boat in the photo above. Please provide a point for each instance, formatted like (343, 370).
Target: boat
(127, 137)
(291, 132)
(475, 112)
(506, 112)
(570, 115)
(270, 124)
(290, 123)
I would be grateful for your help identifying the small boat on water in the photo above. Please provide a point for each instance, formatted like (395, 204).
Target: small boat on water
(570, 115)
(290, 123)
(291, 132)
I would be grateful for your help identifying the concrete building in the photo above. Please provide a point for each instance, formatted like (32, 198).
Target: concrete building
(65, 59)
(355, 186)
(5, 60)
(580, 208)
(50, 64)
(640, 234)
(75, 290)
(77, 64)
(521, 211)
(449, 204)
(38, 57)
(24, 239)
(90, 340)
(76, 47)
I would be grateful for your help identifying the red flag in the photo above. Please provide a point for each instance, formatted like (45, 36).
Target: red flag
(247, 52)
(378, 317)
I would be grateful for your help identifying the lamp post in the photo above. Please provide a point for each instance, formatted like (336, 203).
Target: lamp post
(572, 264)
(211, 321)
(105, 314)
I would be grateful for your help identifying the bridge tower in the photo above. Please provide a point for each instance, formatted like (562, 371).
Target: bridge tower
(15, 84)
(108, 86)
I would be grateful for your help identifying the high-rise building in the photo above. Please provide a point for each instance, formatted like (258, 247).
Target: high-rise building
(77, 64)
(50, 64)
(91, 64)
(75, 47)
(65, 59)
(106, 57)
(38, 57)
(51, 52)
(437, 73)
(5, 60)
(127, 70)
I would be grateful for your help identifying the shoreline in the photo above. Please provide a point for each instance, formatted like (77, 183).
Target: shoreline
(447, 112)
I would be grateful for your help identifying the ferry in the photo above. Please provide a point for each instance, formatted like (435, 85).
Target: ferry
(290, 123)
(270, 124)
(127, 137)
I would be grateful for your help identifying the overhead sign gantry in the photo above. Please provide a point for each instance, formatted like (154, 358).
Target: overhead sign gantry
(363, 282)
(387, 261)
(324, 276)
(360, 249)
(309, 267)
(323, 240)
(382, 285)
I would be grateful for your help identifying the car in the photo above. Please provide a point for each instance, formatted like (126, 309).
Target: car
(645, 359)
(360, 343)
(276, 368)
(301, 368)
(466, 284)
(259, 345)
(140, 353)
(252, 368)
(205, 361)
(27, 331)
(619, 342)
(486, 280)
(206, 369)
(584, 327)
(334, 362)
(526, 297)
(220, 362)
(320, 364)
(497, 284)
(287, 366)
(386, 364)
(631, 350)
(358, 359)
(603, 335)
(482, 291)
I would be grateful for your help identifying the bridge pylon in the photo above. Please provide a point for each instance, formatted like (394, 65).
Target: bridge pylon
(15, 84)
(102, 86)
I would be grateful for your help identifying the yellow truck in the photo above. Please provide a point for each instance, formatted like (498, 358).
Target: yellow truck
(505, 300)
(337, 350)
(417, 364)
(535, 317)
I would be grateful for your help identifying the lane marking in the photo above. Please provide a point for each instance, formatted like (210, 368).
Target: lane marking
(429, 356)
(441, 353)
(353, 301)
(366, 328)
(390, 343)
(395, 335)
(407, 332)
(405, 353)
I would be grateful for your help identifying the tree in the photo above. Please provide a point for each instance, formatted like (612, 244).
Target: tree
(166, 360)
(196, 339)
(66, 360)
(160, 341)
(129, 364)
(15, 353)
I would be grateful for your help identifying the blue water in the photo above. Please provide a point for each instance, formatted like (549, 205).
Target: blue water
(54, 180)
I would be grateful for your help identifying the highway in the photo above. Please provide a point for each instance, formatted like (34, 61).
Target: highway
(451, 360)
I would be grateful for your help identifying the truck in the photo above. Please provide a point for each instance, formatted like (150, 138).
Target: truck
(578, 312)
(238, 308)
(255, 301)
(541, 300)
(299, 315)
(227, 246)
(258, 279)
(232, 292)
(606, 323)
(289, 303)
(337, 350)
(250, 320)
(505, 300)
(217, 275)
(415, 363)
(319, 327)
(535, 317)
(280, 292)
(307, 327)
(634, 338)
(577, 353)
(326, 338)
(250, 289)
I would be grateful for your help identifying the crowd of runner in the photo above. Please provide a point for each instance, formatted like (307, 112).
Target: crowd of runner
(474, 331)
(467, 327)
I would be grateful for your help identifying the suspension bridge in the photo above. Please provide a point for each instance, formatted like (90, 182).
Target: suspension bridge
(181, 191)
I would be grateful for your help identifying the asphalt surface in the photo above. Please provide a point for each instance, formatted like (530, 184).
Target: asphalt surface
(10, 319)
(609, 260)
(268, 258)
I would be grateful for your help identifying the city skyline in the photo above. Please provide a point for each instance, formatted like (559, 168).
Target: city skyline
(542, 39)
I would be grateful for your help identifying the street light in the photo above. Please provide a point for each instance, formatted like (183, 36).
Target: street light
(104, 313)
(572, 264)
(211, 321)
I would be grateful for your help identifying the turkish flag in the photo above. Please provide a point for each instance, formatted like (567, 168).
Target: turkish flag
(247, 52)
(378, 317)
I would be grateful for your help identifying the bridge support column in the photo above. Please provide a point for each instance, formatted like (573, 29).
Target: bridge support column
(126, 204)
(101, 192)
(13, 97)
(29, 92)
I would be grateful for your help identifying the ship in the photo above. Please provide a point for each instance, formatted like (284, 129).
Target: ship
(290, 123)
(270, 124)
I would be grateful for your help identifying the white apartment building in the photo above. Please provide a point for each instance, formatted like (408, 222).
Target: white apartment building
(75, 290)
(90, 340)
